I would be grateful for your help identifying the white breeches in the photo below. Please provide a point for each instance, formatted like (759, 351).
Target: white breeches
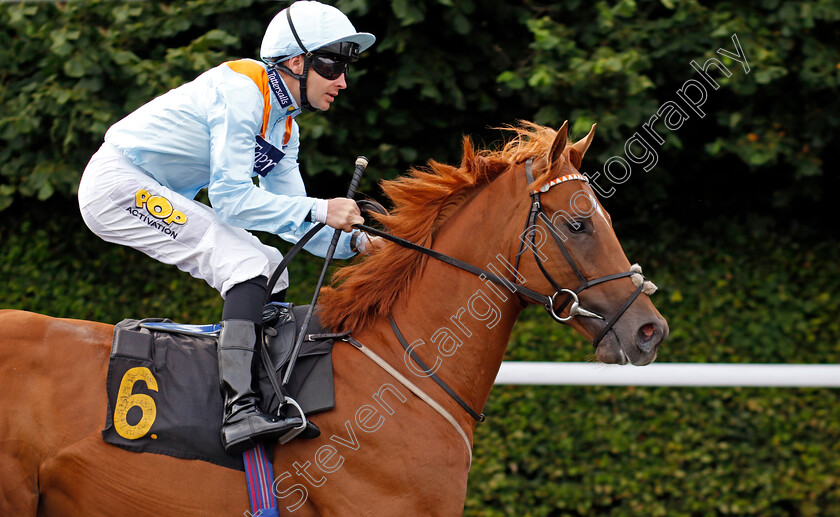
(121, 204)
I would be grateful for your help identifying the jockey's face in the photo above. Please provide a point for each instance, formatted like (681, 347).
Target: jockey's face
(320, 91)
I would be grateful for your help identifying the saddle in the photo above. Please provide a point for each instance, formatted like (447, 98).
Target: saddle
(163, 382)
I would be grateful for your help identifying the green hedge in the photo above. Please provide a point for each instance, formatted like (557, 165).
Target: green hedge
(734, 288)
(443, 68)
(657, 452)
(741, 296)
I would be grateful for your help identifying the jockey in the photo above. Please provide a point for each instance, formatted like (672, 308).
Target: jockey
(230, 125)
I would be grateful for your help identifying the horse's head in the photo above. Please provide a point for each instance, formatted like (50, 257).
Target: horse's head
(569, 248)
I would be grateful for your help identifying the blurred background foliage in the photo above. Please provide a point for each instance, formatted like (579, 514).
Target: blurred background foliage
(735, 222)
(444, 68)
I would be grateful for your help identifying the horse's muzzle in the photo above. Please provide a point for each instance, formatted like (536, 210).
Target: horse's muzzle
(638, 346)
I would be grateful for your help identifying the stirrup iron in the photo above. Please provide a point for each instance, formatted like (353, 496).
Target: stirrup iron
(292, 433)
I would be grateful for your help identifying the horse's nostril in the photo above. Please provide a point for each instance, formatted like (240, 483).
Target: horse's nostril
(645, 340)
(647, 332)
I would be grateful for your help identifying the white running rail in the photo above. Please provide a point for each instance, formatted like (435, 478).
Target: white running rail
(671, 374)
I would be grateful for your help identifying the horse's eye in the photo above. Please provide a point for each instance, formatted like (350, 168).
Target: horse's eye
(577, 227)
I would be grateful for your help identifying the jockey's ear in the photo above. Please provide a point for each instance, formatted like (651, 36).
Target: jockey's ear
(556, 154)
(295, 64)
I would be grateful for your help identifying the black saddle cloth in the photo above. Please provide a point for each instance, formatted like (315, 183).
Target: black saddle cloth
(163, 387)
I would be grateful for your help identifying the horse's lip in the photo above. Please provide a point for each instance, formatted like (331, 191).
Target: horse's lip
(624, 357)
(642, 359)
(611, 340)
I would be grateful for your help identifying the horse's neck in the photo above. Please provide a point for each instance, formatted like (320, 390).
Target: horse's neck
(464, 322)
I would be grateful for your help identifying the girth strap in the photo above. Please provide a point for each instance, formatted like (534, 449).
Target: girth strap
(430, 373)
(260, 475)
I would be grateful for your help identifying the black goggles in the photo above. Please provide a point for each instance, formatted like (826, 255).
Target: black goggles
(329, 66)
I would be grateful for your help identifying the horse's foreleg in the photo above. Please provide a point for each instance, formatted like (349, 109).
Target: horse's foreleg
(18, 484)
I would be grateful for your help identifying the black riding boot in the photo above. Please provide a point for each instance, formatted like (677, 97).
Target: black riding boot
(244, 424)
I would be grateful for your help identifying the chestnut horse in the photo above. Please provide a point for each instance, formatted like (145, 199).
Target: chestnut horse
(383, 449)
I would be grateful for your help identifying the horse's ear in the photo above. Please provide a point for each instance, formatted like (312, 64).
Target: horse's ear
(559, 145)
(575, 158)
(582, 145)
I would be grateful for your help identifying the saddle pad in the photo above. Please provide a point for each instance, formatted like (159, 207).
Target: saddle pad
(163, 390)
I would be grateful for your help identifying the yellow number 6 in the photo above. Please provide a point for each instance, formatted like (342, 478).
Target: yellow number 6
(126, 401)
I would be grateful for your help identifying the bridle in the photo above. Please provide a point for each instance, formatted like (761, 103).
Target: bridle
(536, 213)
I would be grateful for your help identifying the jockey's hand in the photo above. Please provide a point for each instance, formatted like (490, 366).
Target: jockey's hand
(343, 213)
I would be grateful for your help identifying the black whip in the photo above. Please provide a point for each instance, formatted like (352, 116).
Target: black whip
(361, 163)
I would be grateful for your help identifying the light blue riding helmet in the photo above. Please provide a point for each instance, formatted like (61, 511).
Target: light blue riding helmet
(322, 33)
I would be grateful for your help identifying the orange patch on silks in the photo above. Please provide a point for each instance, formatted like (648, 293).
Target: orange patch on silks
(256, 72)
(288, 135)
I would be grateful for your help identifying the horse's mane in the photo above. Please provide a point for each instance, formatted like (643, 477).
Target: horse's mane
(422, 202)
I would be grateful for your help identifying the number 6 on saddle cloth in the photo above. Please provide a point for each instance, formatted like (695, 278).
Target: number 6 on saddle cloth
(163, 393)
